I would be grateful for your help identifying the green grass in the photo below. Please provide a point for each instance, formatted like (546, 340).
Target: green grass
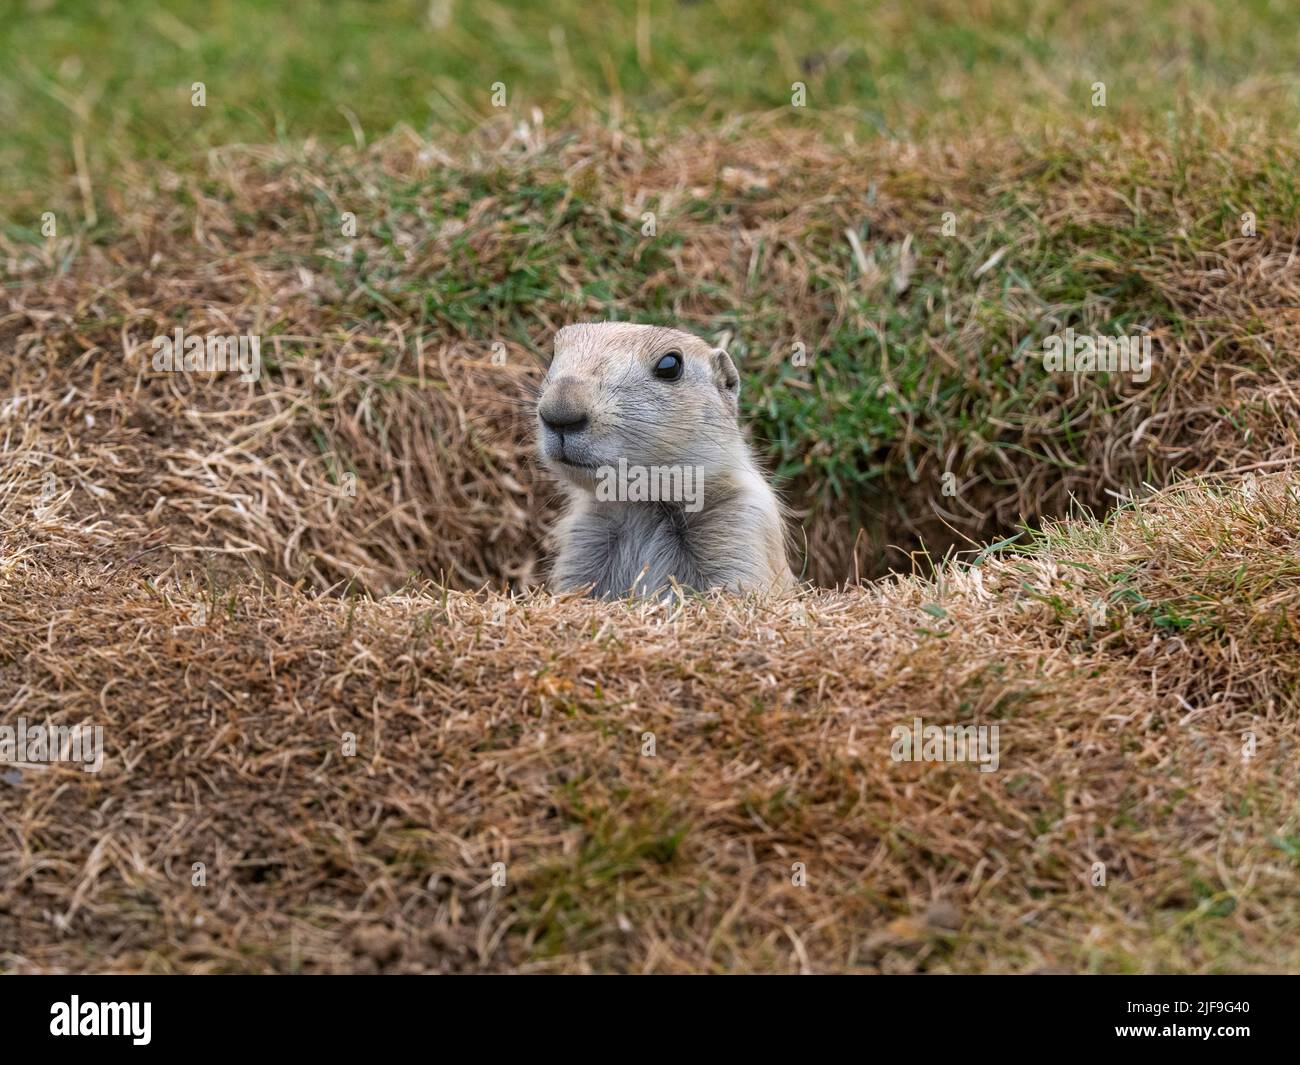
(109, 80)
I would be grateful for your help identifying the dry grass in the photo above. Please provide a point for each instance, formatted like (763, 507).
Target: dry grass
(379, 345)
(491, 729)
(1121, 659)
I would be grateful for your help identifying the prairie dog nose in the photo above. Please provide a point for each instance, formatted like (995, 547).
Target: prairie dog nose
(565, 423)
(564, 407)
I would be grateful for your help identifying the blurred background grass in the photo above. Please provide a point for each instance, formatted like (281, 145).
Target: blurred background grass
(87, 83)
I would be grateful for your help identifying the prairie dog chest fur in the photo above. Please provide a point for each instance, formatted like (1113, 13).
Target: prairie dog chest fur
(640, 425)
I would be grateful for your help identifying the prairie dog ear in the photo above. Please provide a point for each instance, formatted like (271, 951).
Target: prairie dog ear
(726, 378)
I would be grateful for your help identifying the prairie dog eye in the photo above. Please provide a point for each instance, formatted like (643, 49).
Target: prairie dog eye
(670, 366)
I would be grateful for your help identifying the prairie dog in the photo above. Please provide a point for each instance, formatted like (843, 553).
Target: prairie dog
(641, 426)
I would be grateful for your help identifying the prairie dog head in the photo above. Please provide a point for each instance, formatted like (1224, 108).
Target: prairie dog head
(642, 394)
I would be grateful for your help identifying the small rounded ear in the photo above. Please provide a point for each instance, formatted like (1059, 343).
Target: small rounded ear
(726, 378)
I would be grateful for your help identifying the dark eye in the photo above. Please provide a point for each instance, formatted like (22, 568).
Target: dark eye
(669, 367)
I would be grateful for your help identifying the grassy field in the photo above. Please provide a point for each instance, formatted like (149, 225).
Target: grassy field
(233, 576)
(108, 83)
(442, 781)
(920, 346)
